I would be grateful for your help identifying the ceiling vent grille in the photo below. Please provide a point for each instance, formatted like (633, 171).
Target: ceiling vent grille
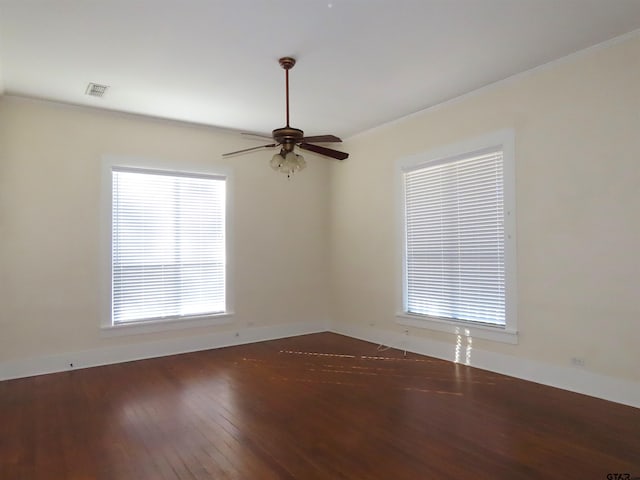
(96, 90)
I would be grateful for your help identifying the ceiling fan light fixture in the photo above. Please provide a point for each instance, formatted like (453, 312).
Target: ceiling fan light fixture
(288, 162)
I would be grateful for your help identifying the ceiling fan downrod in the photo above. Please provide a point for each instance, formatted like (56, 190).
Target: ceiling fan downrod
(287, 136)
(287, 63)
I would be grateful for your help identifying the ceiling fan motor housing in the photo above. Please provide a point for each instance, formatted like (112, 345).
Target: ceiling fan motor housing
(288, 137)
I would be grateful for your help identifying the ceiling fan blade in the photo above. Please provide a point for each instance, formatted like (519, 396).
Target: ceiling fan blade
(257, 135)
(238, 152)
(322, 139)
(328, 152)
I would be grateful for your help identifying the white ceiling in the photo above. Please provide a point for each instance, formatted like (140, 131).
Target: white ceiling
(361, 63)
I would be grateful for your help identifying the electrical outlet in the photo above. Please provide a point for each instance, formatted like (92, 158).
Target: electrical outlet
(578, 362)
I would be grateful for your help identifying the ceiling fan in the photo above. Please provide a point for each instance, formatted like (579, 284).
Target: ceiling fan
(287, 161)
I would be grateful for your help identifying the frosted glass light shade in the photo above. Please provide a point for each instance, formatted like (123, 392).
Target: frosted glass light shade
(276, 161)
(288, 163)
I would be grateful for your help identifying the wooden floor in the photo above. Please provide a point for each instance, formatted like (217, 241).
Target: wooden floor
(319, 406)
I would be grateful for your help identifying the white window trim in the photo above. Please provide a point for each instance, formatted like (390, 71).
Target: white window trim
(508, 333)
(179, 167)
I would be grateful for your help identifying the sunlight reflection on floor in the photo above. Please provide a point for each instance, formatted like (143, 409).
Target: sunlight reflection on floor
(469, 347)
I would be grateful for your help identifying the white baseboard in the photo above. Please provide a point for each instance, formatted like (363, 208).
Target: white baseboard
(567, 378)
(137, 351)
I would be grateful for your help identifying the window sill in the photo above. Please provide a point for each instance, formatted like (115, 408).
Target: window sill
(135, 328)
(498, 334)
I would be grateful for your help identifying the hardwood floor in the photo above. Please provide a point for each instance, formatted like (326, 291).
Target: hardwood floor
(319, 406)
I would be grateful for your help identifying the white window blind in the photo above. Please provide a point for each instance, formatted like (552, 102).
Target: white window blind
(455, 252)
(168, 245)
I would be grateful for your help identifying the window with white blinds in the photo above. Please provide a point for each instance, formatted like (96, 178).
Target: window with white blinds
(168, 245)
(455, 238)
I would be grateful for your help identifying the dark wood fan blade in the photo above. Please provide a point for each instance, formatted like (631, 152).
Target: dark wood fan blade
(257, 135)
(322, 139)
(328, 152)
(248, 150)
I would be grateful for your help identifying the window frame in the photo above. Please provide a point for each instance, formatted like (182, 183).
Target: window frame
(178, 168)
(505, 140)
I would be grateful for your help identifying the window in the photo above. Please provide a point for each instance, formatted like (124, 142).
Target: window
(459, 238)
(168, 255)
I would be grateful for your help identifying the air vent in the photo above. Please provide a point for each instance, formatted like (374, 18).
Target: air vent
(96, 90)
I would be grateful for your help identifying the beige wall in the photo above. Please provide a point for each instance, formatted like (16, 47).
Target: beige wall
(50, 157)
(577, 133)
